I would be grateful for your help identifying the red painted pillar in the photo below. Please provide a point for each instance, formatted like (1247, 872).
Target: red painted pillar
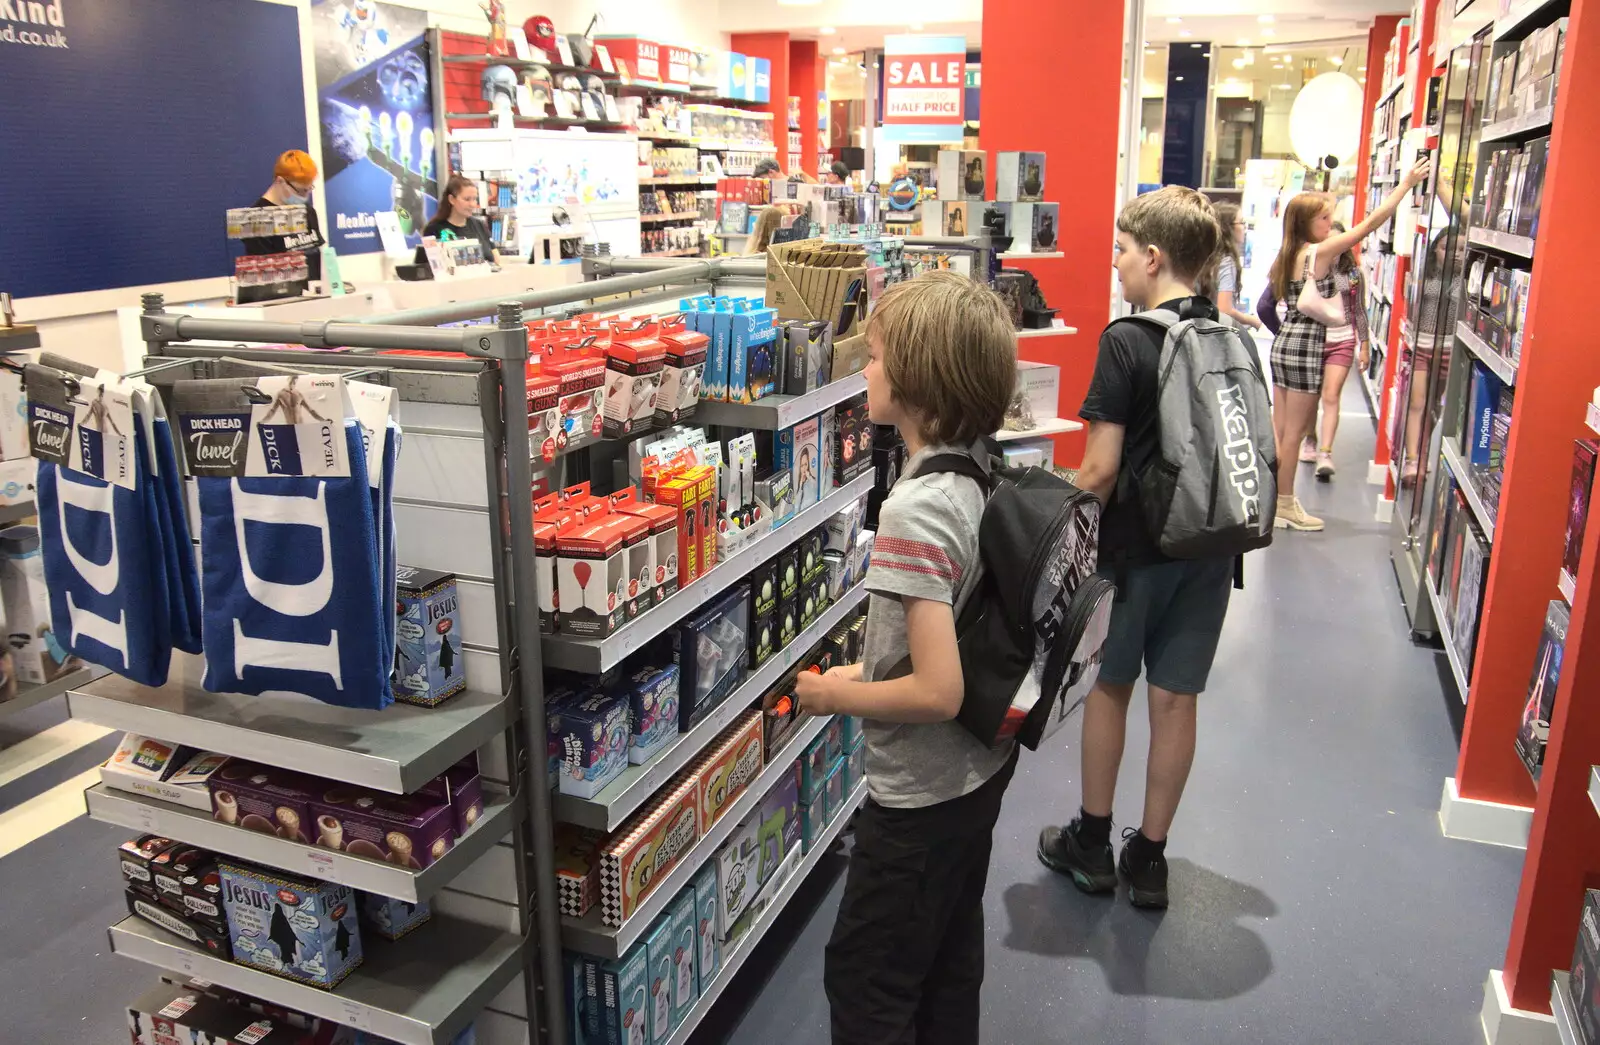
(805, 79)
(1559, 368)
(1024, 48)
(1378, 38)
(775, 48)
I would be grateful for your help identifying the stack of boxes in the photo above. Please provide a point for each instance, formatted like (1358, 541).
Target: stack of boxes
(1016, 211)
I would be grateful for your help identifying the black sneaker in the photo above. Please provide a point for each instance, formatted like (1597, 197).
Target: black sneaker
(1091, 868)
(1146, 875)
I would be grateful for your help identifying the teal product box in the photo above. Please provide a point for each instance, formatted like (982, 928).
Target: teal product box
(778, 830)
(593, 735)
(813, 820)
(855, 767)
(428, 665)
(658, 948)
(593, 1010)
(833, 733)
(850, 731)
(833, 791)
(814, 766)
(624, 999)
(391, 918)
(682, 915)
(715, 384)
(705, 928)
(575, 988)
(652, 696)
(750, 353)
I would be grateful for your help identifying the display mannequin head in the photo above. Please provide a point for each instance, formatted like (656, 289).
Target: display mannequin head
(292, 178)
(459, 201)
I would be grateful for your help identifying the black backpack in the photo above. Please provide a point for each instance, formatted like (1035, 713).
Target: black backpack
(1030, 632)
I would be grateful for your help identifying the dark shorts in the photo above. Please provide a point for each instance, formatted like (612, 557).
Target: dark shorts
(1166, 619)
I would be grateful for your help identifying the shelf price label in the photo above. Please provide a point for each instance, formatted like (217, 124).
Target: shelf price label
(354, 1014)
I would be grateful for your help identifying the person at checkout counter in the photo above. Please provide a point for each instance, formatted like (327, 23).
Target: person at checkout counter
(292, 178)
(457, 219)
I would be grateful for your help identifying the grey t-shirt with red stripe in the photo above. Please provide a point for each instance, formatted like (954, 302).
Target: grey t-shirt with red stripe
(926, 548)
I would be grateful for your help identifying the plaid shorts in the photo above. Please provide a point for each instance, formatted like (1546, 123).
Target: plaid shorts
(1297, 349)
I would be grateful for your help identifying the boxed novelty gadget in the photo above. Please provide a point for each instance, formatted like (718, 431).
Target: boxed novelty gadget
(705, 927)
(681, 376)
(643, 852)
(658, 945)
(169, 772)
(738, 875)
(681, 915)
(1585, 985)
(406, 830)
(298, 928)
(622, 1000)
(799, 449)
(577, 858)
(591, 576)
(428, 665)
(594, 739)
(960, 175)
(1019, 176)
(181, 1015)
(391, 918)
(1534, 732)
(710, 651)
(778, 821)
(633, 377)
(663, 556)
(726, 768)
(263, 798)
(652, 696)
(808, 351)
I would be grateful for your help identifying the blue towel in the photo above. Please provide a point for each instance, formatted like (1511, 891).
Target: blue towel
(104, 568)
(183, 582)
(289, 586)
(383, 513)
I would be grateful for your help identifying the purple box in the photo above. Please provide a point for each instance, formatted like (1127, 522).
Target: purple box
(407, 830)
(462, 788)
(263, 798)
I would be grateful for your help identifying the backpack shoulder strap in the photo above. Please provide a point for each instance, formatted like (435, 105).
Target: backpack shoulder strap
(1164, 318)
(958, 464)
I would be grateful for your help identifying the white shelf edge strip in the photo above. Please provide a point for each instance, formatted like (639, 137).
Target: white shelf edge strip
(1445, 636)
(1463, 476)
(731, 963)
(195, 827)
(638, 784)
(589, 936)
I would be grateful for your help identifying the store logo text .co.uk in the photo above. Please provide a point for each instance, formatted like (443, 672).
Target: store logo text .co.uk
(33, 12)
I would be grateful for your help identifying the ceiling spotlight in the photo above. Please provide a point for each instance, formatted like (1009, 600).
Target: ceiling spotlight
(1288, 57)
(838, 50)
(1194, 45)
(1178, 78)
(1238, 63)
(1174, 20)
(1186, 33)
(827, 30)
(1361, 69)
(1265, 19)
(1204, 54)
(1284, 86)
(1336, 60)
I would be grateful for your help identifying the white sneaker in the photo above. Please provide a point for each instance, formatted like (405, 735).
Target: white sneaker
(1325, 467)
(1308, 451)
(1293, 516)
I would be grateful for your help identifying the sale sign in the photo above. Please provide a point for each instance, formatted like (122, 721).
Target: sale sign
(924, 78)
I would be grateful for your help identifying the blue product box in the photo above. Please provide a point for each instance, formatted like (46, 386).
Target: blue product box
(705, 927)
(684, 992)
(760, 72)
(298, 928)
(750, 362)
(391, 918)
(652, 696)
(1484, 395)
(575, 987)
(593, 735)
(814, 765)
(594, 1009)
(850, 731)
(778, 830)
(715, 384)
(855, 766)
(624, 999)
(658, 945)
(555, 701)
(428, 666)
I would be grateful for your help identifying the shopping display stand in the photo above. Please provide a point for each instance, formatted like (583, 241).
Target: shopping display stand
(493, 953)
(1492, 798)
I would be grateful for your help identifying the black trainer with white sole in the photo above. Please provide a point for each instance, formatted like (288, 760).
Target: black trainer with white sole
(1146, 875)
(1091, 868)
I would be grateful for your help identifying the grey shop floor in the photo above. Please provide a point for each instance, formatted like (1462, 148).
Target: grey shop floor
(1313, 897)
(1314, 900)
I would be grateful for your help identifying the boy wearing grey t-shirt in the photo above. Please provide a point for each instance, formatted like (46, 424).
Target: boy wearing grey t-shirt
(905, 963)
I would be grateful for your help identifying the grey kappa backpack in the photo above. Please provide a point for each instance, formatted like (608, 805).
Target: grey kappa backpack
(1212, 491)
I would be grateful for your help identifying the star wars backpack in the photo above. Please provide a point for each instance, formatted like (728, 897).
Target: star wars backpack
(1031, 631)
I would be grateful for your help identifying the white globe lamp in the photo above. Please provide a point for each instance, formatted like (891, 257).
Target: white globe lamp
(1325, 122)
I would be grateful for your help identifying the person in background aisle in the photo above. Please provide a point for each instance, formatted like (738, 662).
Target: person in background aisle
(838, 174)
(767, 168)
(1267, 309)
(292, 178)
(1167, 617)
(1338, 354)
(457, 218)
(1310, 248)
(905, 963)
(1230, 267)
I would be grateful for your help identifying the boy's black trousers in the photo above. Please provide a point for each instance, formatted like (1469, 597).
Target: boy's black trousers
(905, 964)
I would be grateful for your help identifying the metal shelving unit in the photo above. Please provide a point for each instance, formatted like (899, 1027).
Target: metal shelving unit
(1463, 477)
(638, 784)
(1481, 350)
(593, 656)
(1042, 427)
(1534, 122)
(1443, 623)
(774, 412)
(422, 990)
(153, 816)
(588, 935)
(731, 962)
(29, 696)
(1504, 242)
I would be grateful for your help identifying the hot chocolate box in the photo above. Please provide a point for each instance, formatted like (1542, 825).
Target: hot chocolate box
(408, 831)
(263, 798)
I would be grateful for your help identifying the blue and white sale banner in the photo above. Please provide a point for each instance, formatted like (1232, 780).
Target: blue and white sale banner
(376, 110)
